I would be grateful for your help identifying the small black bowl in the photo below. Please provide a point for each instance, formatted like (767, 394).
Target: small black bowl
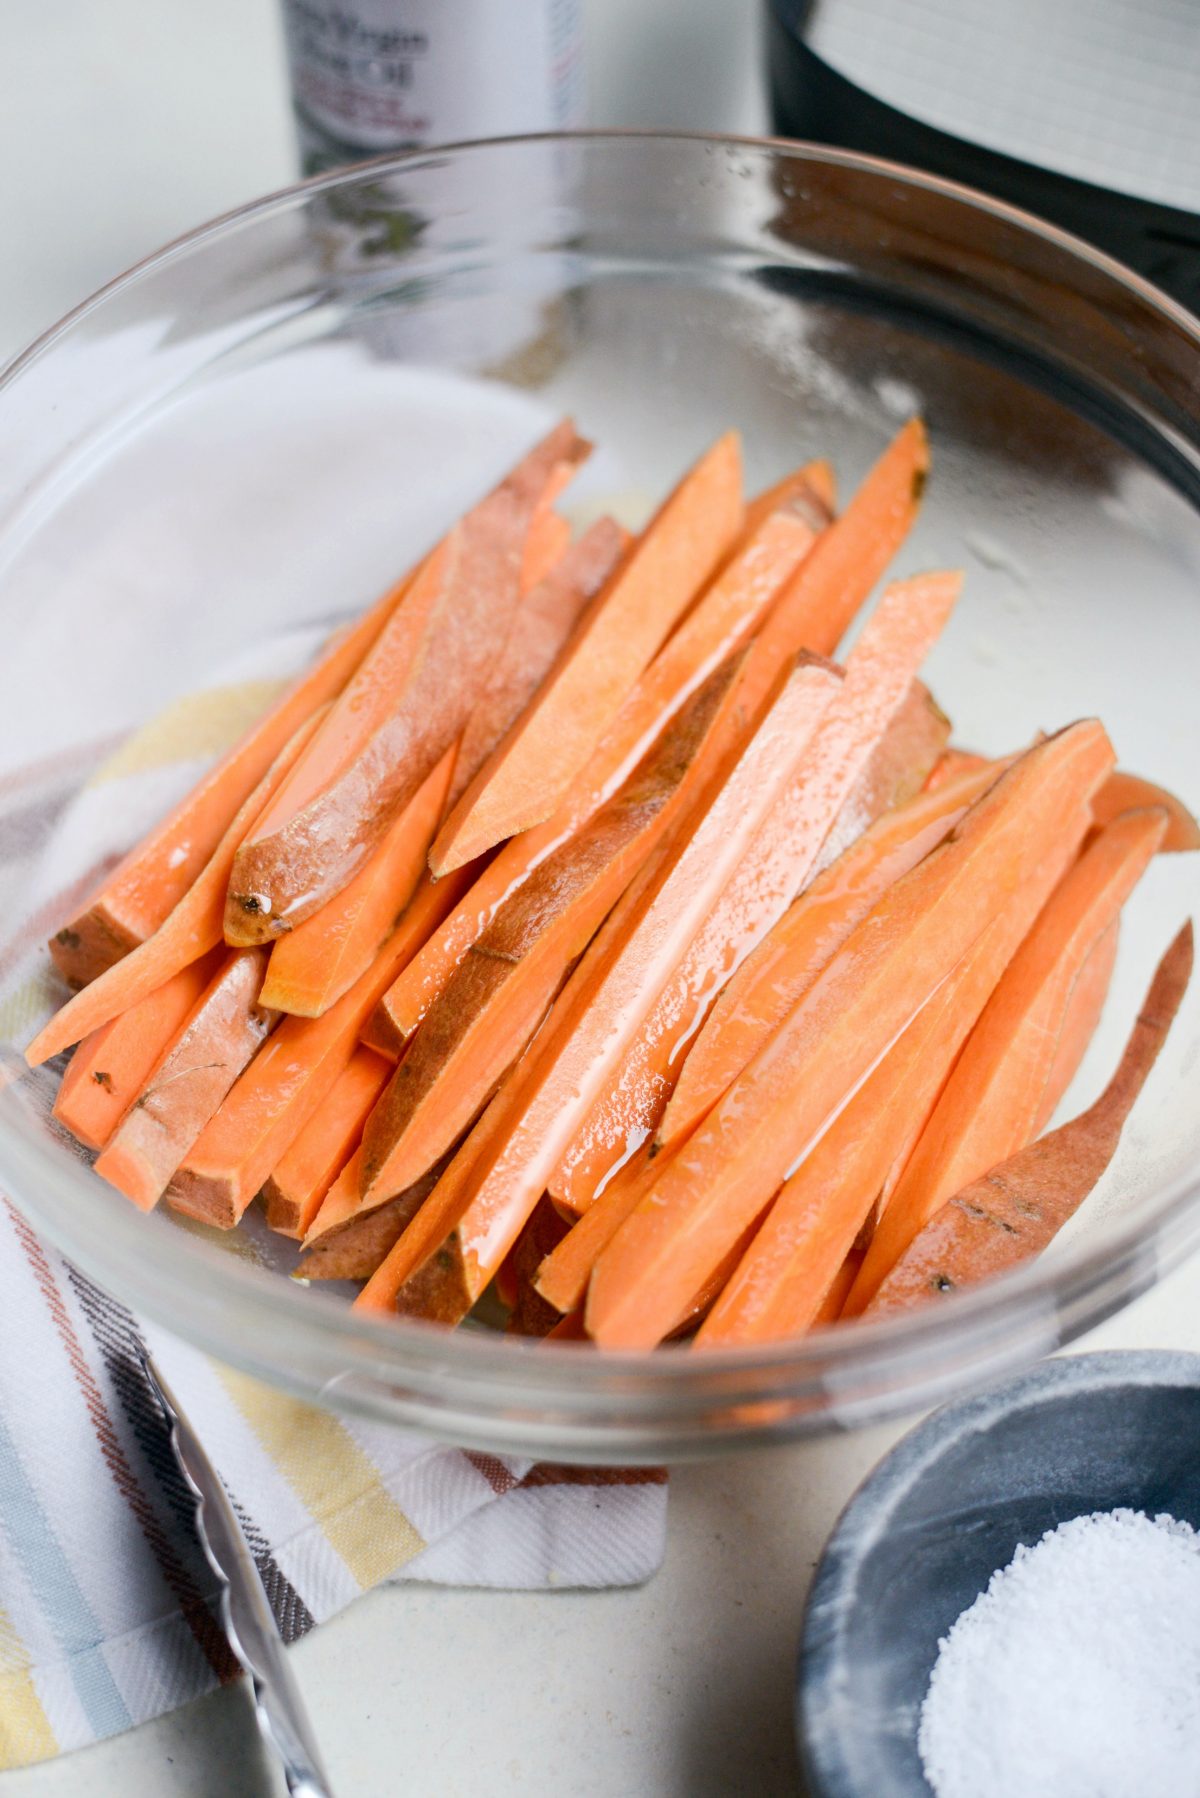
(922, 1537)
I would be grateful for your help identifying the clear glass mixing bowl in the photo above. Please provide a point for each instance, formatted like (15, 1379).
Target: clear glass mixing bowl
(256, 428)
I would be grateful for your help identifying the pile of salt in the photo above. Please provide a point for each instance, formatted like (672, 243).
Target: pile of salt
(1077, 1673)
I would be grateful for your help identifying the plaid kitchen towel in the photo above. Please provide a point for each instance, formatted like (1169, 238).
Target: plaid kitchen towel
(107, 1610)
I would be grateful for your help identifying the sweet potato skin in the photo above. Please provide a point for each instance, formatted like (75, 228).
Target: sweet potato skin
(382, 741)
(1016, 1210)
(223, 1033)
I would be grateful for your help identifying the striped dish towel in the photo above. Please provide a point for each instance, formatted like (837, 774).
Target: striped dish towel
(107, 1608)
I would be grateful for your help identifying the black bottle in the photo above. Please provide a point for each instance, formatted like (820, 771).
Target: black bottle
(1086, 112)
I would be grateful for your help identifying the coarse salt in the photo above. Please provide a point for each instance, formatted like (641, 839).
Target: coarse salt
(1076, 1674)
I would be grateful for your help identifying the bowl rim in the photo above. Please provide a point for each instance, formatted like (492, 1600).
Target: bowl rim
(801, 149)
(1060, 1298)
(819, 1694)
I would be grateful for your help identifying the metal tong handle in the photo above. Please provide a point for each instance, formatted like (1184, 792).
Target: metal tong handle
(247, 1618)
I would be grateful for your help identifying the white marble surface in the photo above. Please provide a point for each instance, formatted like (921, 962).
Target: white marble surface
(123, 124)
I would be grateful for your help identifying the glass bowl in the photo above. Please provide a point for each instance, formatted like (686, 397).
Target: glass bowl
(249, 434)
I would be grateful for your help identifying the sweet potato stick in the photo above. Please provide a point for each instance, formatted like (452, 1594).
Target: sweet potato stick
(554, 739)
(1017, 1209)
(1019, 834)
(992, 1101)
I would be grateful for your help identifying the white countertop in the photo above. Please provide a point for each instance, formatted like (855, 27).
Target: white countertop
(124, 124)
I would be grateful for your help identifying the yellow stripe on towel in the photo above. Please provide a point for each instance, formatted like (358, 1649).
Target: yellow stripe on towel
(25, 1732)
(199, 724)
(331, 1476)
(28, 1004)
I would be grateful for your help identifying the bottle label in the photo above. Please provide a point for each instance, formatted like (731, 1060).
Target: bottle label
(1107, 91)
(382, 75)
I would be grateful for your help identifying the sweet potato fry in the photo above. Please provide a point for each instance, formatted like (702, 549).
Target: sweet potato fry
(406, 706)
(602, 1008)
(224, 1031)
(817, 607)
(779, 1289)
(992, 1102)
(554, 739)
(1124, 792)
(546, 617)
(546, 543)
(190, 931)
(109, 1068)
(294, 1192)
(423, 1233)
(488, 1012)
(788, 960)
(1014, 1211)
(1020, 834)
(879, 674)
(720, 622)
(894, 772)
(813, 484)
(952, 764)
(281, 1089)
(563, 1276)
(146, 886)
(312, 966)
(1081, 1017)
(357, 1248)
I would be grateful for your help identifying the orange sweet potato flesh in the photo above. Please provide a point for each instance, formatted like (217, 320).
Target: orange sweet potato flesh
(109, 1068)
(546, 618)
(713, 722)
(450, 1194)
(813, 482)
(992, 1102)
(894, 773)
(693, 1314)
(295, 1191)
(223, 1032)
(782, 1285)
(879, 675)
(1014, 1211)
(1124, 792)
(805, 939)
(719, 623)
(1081, 1017)
(344, 1203)
(379, 1031)
(601, 1010)
(454, 1193)
(312, 966)
(406, 706)
(818, 605)
(282, 1088)
(554, 739)
(563, 1276)
(568, 1329)
(547, 541)
(885, 972)
(341, 1204)
(145, 887)
(190, 931)
(952, 764)
(489, 1010)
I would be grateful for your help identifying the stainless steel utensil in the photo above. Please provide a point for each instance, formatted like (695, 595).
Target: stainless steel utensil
(245, 1614)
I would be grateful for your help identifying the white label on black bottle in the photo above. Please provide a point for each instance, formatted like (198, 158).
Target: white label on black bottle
(385, 74)
(1105, 90)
